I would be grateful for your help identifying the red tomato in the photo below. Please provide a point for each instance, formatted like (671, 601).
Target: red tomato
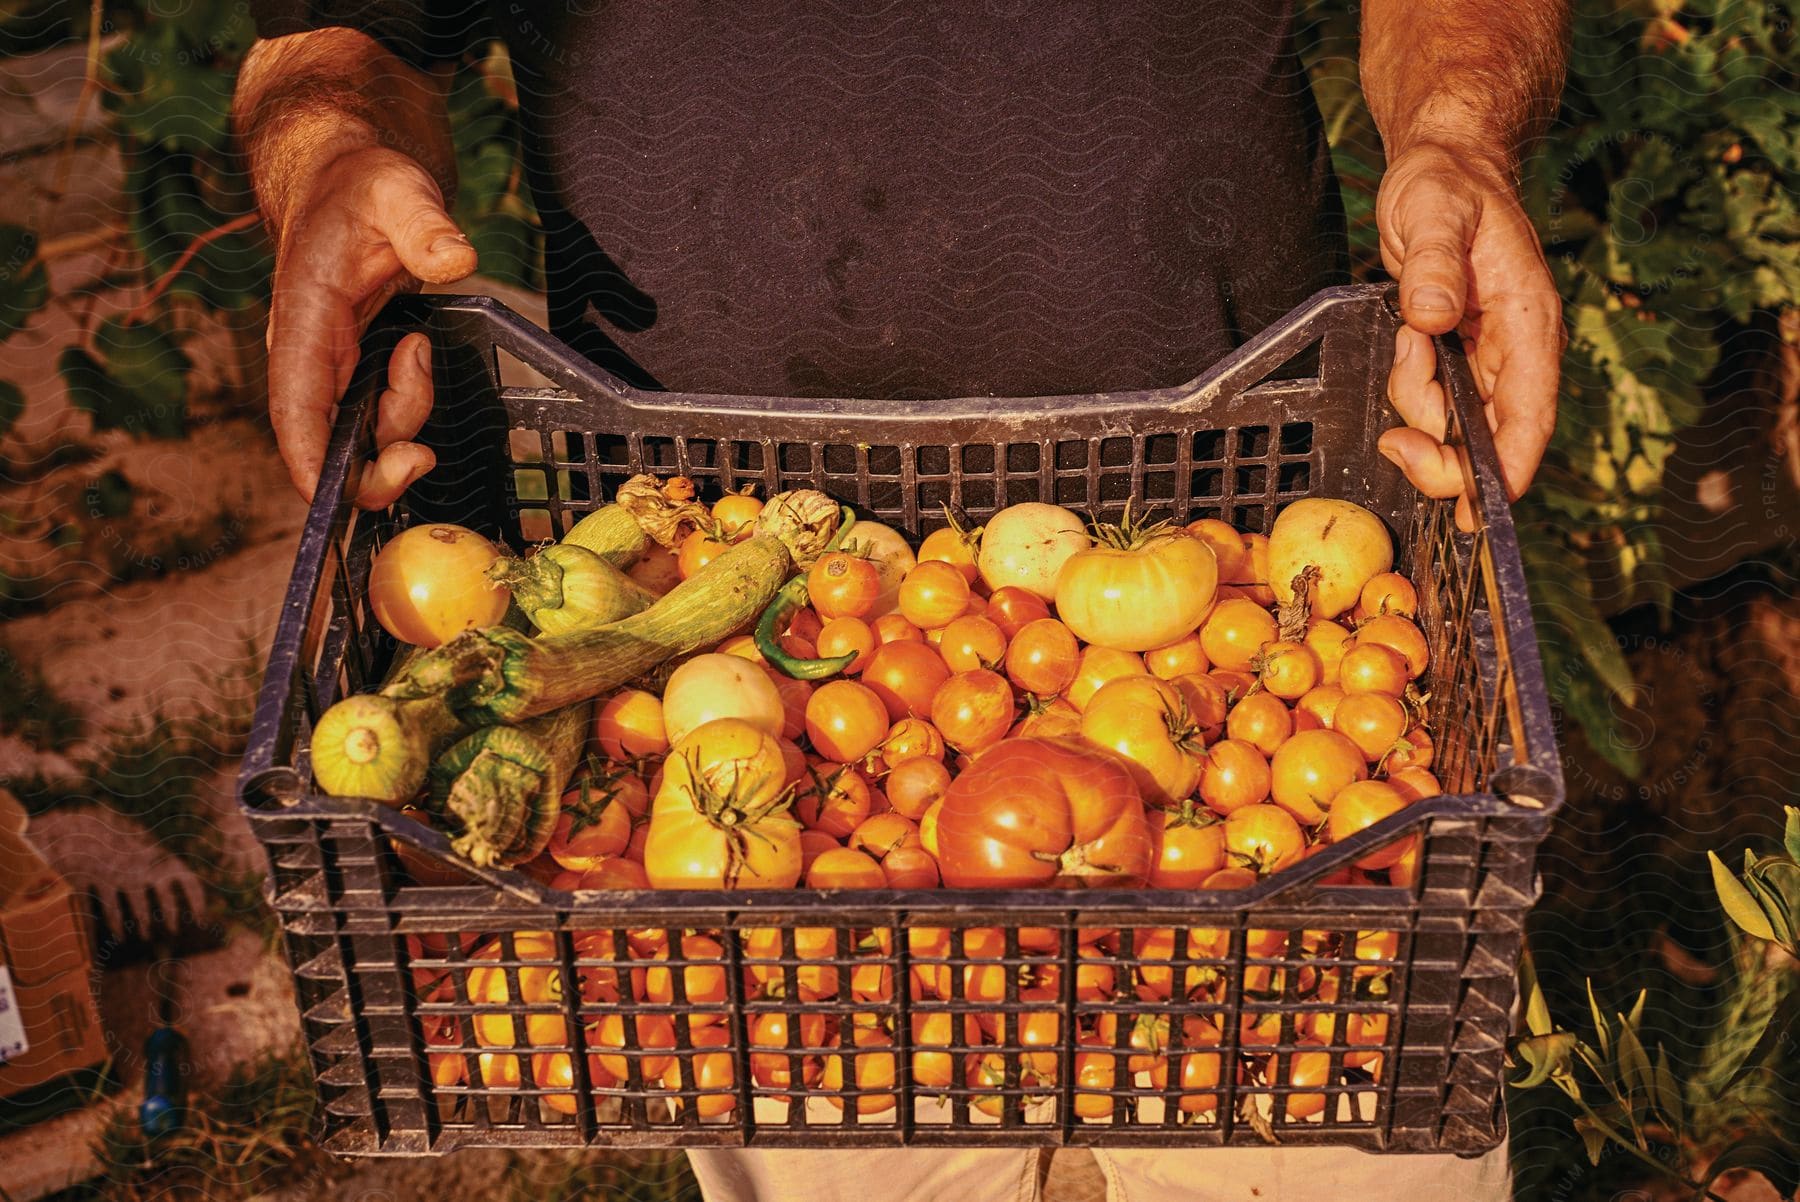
(1011, 607)
(1037, 811)
(906, 676)
(1043, 657)
(973, 710)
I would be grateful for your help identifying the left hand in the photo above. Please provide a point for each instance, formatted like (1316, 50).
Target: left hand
(1467, 258)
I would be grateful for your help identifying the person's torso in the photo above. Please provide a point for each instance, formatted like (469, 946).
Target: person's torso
(796, 197)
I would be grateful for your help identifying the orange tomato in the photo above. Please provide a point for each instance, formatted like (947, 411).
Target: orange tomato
(1235, 632)
(869, 1070)
(1388, 593)
(596, 821)
(1011, 608)
(1328, 641)
(736, 513)
(846, 636)
(937, 1029)
(1208, 702)
(1415, 784)
(1192, 848)
(917, 784)
(845, 721)
(1184, 657)
(1309, 770)
(1233, 774)
(933, 595)
(834, 799)
(654, 1034)
(1043, 657)
(892, 628)
(813, 844)
(972, 642)
(1262, 721)
(702, 979)
(1287, 669)
(1096, 667)
(1264, 837)
(1360, 805)
(1051, 719)
(1321, 705)
(711, 1073)
(911, 739)
(1373, 721)
(906, 676)
(951, 545)
(814, 982)
(630, 725)
(1414, 750)
(1145, 720)
(696, 551)
(1399, 635)
(842, 585)
(845, 868)
(1304, 1070)
(1373, 668)
(973, 710)
(793, 1034)
(1227, 546)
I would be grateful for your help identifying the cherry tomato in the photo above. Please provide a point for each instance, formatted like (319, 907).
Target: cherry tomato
(1227, 547)
(952, 546)
(1399, 635)
(974, 709)
(842, 585)
(1096, 667)
(784, 1030)
(1287, 669)
(906, 676)
(1233, 774)
(833, 799)
(1328, 641)
(1043, 657)
(972, 642)
(1372, 668)
(933, 595)
(1360, 805)
(1415, 784)
(697, 550)
(1320, 705)
(1235, 632)
(1011, 608)
(845, 868)
(1262, 721)
(847, 636)
(1208, 703)
(1388, 593)
(736, 514)
(1184, 657)
(1373, 721)
(846, 721)
(655, 1035)
(1264, 837)
(916, 785)
(1309, 770)
(1192, 848)
(630, 725)
(892, 628)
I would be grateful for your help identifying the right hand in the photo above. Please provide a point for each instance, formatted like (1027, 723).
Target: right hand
(371, 224)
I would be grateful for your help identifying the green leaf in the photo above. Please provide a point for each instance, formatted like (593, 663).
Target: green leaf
(12, 405)
(138, 383)
(1602, 1029)
(1547, 1055)
(1592, 1138)
(24, 284)
(1791, 834)
(1668, 1092)
(1774, 905)
(1634, 1065)
(1537, 1009)
(1737, 901)
(1783, 1024)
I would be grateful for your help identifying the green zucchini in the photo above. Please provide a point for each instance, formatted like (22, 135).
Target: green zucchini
(564, 588)
(499, 790)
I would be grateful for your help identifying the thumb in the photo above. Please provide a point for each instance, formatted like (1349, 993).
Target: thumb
(409, 212)
(1436, 228)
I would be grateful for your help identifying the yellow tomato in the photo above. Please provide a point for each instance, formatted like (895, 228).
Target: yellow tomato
(1138, 596)
(1146, 720)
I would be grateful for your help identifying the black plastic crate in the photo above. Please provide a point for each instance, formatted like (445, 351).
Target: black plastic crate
(405, 988)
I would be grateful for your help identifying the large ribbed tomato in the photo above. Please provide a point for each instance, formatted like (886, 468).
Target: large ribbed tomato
(1137, 590)
(1040, 812)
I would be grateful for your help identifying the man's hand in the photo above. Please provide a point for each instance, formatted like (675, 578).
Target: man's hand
(372, 224)
(1454, 235)
(350, 152)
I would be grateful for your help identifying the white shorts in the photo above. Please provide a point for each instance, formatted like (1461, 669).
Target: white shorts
(1152, 1175)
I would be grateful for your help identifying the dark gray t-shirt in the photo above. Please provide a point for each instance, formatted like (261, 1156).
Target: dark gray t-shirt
(828, 198)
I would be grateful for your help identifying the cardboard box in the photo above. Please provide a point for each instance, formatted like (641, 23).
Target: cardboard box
(48, 1023)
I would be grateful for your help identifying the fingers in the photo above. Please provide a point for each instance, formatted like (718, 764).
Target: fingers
(1428, 222)
(392, 473)
(1524, 403)
(312, 351)
(409, 212)
(1412, 383)
(406, 403)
